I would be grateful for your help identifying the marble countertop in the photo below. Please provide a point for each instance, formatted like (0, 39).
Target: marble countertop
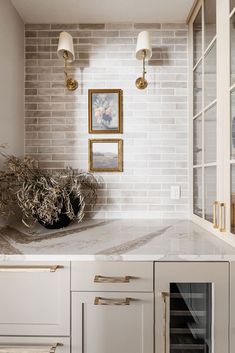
(118, 240)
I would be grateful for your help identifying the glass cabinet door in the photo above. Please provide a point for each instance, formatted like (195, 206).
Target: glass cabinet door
(192, 306)
(204, 108)
(190, 316)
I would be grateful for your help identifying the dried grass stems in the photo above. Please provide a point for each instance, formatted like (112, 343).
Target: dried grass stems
(43, 195)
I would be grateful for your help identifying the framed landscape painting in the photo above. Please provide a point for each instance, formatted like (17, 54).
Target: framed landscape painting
(105, 155)
(105, 111)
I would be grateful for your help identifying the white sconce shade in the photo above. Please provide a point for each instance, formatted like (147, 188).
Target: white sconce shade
(143, 43)
(66, 44)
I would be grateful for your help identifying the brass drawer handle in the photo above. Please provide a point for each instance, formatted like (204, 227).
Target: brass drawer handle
(222, 226)
(8, 346)
(104, 279)
(215, 214)
(24, 268)
(111, 301)
(165, 295)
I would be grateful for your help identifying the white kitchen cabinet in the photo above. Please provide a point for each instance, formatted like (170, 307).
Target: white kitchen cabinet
(34, 345)
(35, 299)
(104, 322)
(192, 307)
(212, 116)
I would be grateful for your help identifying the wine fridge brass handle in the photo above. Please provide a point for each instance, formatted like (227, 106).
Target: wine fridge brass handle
(165, 295)
(25, 268)
(222, 226)
(215, 214)
(111, 301)
(51, 348)
(105, 279)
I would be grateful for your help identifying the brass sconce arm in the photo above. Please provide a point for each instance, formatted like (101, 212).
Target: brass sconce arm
(71, 84)
(141, 82)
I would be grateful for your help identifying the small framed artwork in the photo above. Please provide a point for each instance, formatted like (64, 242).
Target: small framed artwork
(105, 111)
(105, 155)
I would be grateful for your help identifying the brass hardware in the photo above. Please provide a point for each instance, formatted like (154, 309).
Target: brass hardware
(71, 84)
(15, 268)
(222, 226)
(111, 301)
(52, 348)
(165, 295)
(141, 82)
(104, 279)
(215, 214)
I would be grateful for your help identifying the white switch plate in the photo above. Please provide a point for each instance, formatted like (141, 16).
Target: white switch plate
(175, 192)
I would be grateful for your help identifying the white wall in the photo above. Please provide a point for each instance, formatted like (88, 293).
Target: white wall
(12, 78)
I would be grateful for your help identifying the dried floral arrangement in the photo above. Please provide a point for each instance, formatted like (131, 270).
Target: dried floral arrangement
(42, 195)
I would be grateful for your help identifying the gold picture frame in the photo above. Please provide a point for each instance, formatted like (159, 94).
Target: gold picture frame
(105, 155)
(105, 111)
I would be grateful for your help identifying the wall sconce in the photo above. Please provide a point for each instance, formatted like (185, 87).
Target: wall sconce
(143, 51)
(65, 51)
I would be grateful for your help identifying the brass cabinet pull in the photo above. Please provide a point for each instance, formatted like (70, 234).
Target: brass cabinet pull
(25, 268)
(8, 346)
(104, 279)
(222, 226)
(111, 301)
(165, 295)
(215, 214)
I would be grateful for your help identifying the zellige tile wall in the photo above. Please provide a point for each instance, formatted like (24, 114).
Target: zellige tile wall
(155, 120)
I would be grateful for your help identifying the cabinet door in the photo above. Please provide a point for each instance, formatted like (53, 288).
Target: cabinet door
(192, 307)
(205, 159)
(112, 322)
(229, 121)
(35, 299)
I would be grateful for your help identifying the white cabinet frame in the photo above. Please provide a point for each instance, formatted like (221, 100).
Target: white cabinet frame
(223, 114)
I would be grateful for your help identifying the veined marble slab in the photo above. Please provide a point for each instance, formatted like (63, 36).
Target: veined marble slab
(118, 240)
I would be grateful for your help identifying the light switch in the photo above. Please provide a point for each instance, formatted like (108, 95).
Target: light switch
(175, 192)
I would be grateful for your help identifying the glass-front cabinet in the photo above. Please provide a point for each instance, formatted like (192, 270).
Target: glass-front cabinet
(212, 115)
(192, 307)
(204, 110)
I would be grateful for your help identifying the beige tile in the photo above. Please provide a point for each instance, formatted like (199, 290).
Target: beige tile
(146, 26)
(37, 26)
(31, 34)
(91, 26)
(155, 120)
(65, 26)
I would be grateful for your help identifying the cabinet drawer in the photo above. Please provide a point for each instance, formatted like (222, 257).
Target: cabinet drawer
(112, 276)
(35, 299)
(35, 345)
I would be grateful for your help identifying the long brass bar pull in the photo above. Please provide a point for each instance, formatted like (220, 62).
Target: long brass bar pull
(40, 348)
(165, 295)
(104, 279)
(25, 268)
(111, 301)
(215, 214)
(222, 226)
